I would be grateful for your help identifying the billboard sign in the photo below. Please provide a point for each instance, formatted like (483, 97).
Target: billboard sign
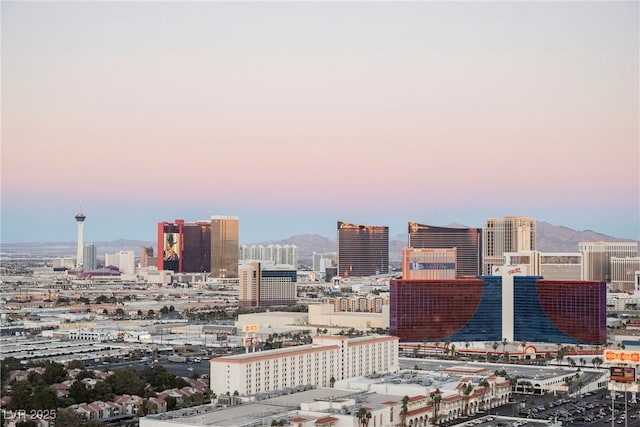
(250, 329)
(623, 374)
(171, 251)
(250, 342)
(621, 356)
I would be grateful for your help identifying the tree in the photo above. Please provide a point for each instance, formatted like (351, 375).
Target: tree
(78, 392)
(363, 416)
(523, 344)
(7, 365)
(21, 392)
(198, 398)
(119, 312)
(164, 310)
(75, 364)
(466, 390)
(85, 374)
(597, 361)
(145, 408)
(171, 403)
(69, 418)
(436, 398)
(151, 314)
(504, 345)
(101, 391)
(404, 410)
(54, 373)
(45, 398)
(332, 381)
(485, 387)
(126, 381)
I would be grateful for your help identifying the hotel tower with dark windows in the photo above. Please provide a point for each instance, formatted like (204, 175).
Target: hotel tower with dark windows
(467, 241)
(363, 250)
(184, 247)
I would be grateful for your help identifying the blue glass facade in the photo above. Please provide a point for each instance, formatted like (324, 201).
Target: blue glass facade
(486, 322)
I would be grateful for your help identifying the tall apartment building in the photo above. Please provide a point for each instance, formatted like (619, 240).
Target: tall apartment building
(124, 260)
(89, 258)
(363, 250)
(597, 257)
(429, 263)
(328, 359)
(623, 274)
(225, 246)
(508, 234)
(184, 247)
(467, 241)
(259, 287)
(276, 254)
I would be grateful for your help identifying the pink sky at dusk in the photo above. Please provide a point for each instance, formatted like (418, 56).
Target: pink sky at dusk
(295, 115)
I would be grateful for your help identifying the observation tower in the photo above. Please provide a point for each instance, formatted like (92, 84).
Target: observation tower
(79, 253)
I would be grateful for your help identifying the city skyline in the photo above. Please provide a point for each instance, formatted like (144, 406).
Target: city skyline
(293, 116)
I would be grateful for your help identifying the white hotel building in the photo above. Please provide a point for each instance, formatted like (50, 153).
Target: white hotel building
(327, 359)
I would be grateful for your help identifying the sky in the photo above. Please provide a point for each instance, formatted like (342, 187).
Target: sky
(296, 115)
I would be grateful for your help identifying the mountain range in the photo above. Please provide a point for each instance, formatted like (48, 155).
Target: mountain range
(549, 238)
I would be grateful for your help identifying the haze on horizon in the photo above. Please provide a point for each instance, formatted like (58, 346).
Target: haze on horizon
(295, 115)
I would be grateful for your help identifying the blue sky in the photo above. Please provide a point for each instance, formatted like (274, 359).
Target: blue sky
(295, 115)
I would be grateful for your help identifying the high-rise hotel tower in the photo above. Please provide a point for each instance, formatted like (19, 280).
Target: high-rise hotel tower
(225, 246)
(363, 250)
(508, 234)
(467, 241)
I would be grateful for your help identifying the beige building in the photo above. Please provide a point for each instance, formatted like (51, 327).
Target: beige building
(225, 246)
(597, 257)
(327, 360)
(326, 316)
(550, 265)
(429, 263)
(508, 234)
(260, 287)
(623, 274)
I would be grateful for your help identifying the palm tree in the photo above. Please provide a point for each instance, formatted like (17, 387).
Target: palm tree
(404, 410)
(494, 346)
(466, 390)
(453, 350)
(363, 416)
(436, 398)
(597, 361)
(485, 386)
(332, 381)
(561, 353)
(523, 344)
(504, 345)
(513, 381)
